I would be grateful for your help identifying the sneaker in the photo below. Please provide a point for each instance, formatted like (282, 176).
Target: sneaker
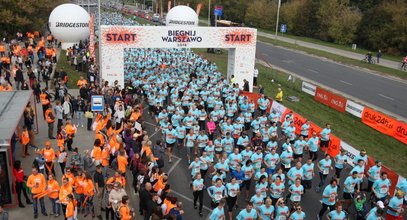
(21, 206)
(56, 215)
(317, 217)
(29, 202)
(169, 161)
(44, 214)
(200, 214)
(82, 126)
(99, 217)
(35, 216)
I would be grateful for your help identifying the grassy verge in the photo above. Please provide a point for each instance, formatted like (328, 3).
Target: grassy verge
(334, 45)
(337, 58)
(344, 125)
(140, 20)
(73, 75)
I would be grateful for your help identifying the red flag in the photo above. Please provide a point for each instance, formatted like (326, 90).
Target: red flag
(169, 6)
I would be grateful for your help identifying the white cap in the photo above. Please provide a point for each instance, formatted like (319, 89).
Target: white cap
(380, 204)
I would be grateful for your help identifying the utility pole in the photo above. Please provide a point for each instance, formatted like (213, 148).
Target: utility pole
(209, 13)
(278, 16)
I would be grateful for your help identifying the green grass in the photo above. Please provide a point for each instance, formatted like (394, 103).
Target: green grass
(337, 58)
(334, 45)
(344, 125)
(140, 20)
(73, 75)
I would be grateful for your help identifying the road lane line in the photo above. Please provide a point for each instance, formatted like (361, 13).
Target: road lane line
(347, 83)
(386, 97)
(189, 199)
(311, 70)
(173, 166)
(146, 122)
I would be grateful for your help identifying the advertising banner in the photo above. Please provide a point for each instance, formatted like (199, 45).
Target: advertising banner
(332, 100)
(298, 122)
(400, 132)
(114, 39)
(334, 146)
(379, 121)
(275, 106)
(354, 108)
(308, 88)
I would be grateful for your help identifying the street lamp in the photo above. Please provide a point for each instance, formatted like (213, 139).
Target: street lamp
(278, 15)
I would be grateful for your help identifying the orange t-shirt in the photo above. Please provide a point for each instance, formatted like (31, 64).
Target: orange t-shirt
(120, 180)
(122, 163)
(97, 153)
(36, 183)
(53, 188)
(124, 212)
(70, 210)
(64, 191)
(79, 185)
(105, 157)
(25, 138)
(80, 82)
(89, 188)
(49, 154)
(71, 178)
(70, 130)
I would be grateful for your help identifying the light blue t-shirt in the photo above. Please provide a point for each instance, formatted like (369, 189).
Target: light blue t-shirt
(374, 173)
(332, 192)
(245, 215)
(281, 211)
(294, 173)
(382, 187)
(298, 216)
(308, 170)
(199, 184)
(396, 204)
(325, 166)
(313, 144)
(265, 212)
(334, 215)
(349, 184)
(217, 214)
(272, 160)
(257, 201)
(340, 161)
(296, 192)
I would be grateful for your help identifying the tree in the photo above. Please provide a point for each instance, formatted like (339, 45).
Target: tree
(262, 14)
(27, 15)
(343, 28)
(298, 14)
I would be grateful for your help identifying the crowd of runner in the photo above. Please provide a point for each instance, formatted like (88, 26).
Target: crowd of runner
(234, 146)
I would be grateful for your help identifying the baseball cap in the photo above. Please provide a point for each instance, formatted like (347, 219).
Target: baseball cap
(380, 204)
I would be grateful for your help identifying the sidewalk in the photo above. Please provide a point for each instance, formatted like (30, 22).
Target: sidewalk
(344, 53)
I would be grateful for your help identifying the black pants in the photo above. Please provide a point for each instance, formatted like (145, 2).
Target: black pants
(69, 143)
(89, 125)
(44, 108)
(369, 186)
(198, 194)
(338, 172)
(63, 209)
(109, 211)
(231, 201)
(19, 189)
(49, 165)
(62, 165)
(324, 208)
(313, 155)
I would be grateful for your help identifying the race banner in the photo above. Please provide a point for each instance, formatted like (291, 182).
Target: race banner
(332, 100)
(400, 132)
(308, 88)
(298, 122)
(334, 146)
(354, 108)
(277, 107)
(379, 121)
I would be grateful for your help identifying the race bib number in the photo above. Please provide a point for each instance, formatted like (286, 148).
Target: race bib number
(325, 171)
(383, 190)
(218, 197)
(282, 217)
(296, 198)
(287, 165)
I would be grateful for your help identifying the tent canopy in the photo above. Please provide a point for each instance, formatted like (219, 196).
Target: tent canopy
(12, 105)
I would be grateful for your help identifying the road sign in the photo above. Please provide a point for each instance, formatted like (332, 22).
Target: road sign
(218, 10)
(97, 103)
(283, 28)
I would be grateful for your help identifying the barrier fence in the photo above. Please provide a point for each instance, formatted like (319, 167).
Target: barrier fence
(335, 143)
(374, 119)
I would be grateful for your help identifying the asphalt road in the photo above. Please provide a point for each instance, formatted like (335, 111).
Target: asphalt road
(373, 89)
(179, 178)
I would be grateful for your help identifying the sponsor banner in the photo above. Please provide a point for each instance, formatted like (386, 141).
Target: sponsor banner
(114, 39)
(379, 121)
(251, 96)
(332, 100)
(351, 152)
(400, 132)
(275, 106)
(308, 88)
(354, 108)
(392, 176)
(298, 122)
(314, 128)
(334, 146)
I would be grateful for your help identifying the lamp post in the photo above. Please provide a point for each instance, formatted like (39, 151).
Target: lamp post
(278, 15)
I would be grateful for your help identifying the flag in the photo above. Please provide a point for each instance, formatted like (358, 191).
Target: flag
(198, 8)
(169, 6)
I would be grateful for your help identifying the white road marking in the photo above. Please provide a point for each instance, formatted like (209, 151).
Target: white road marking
(189, 199)
(347, 83)
(311, 70)
(146, 122)
(174, 165)
(386, 97)
(288, 61)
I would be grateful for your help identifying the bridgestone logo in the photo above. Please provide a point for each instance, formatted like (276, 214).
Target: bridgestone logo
(71, 25)
(353, 108)
(182, 22)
